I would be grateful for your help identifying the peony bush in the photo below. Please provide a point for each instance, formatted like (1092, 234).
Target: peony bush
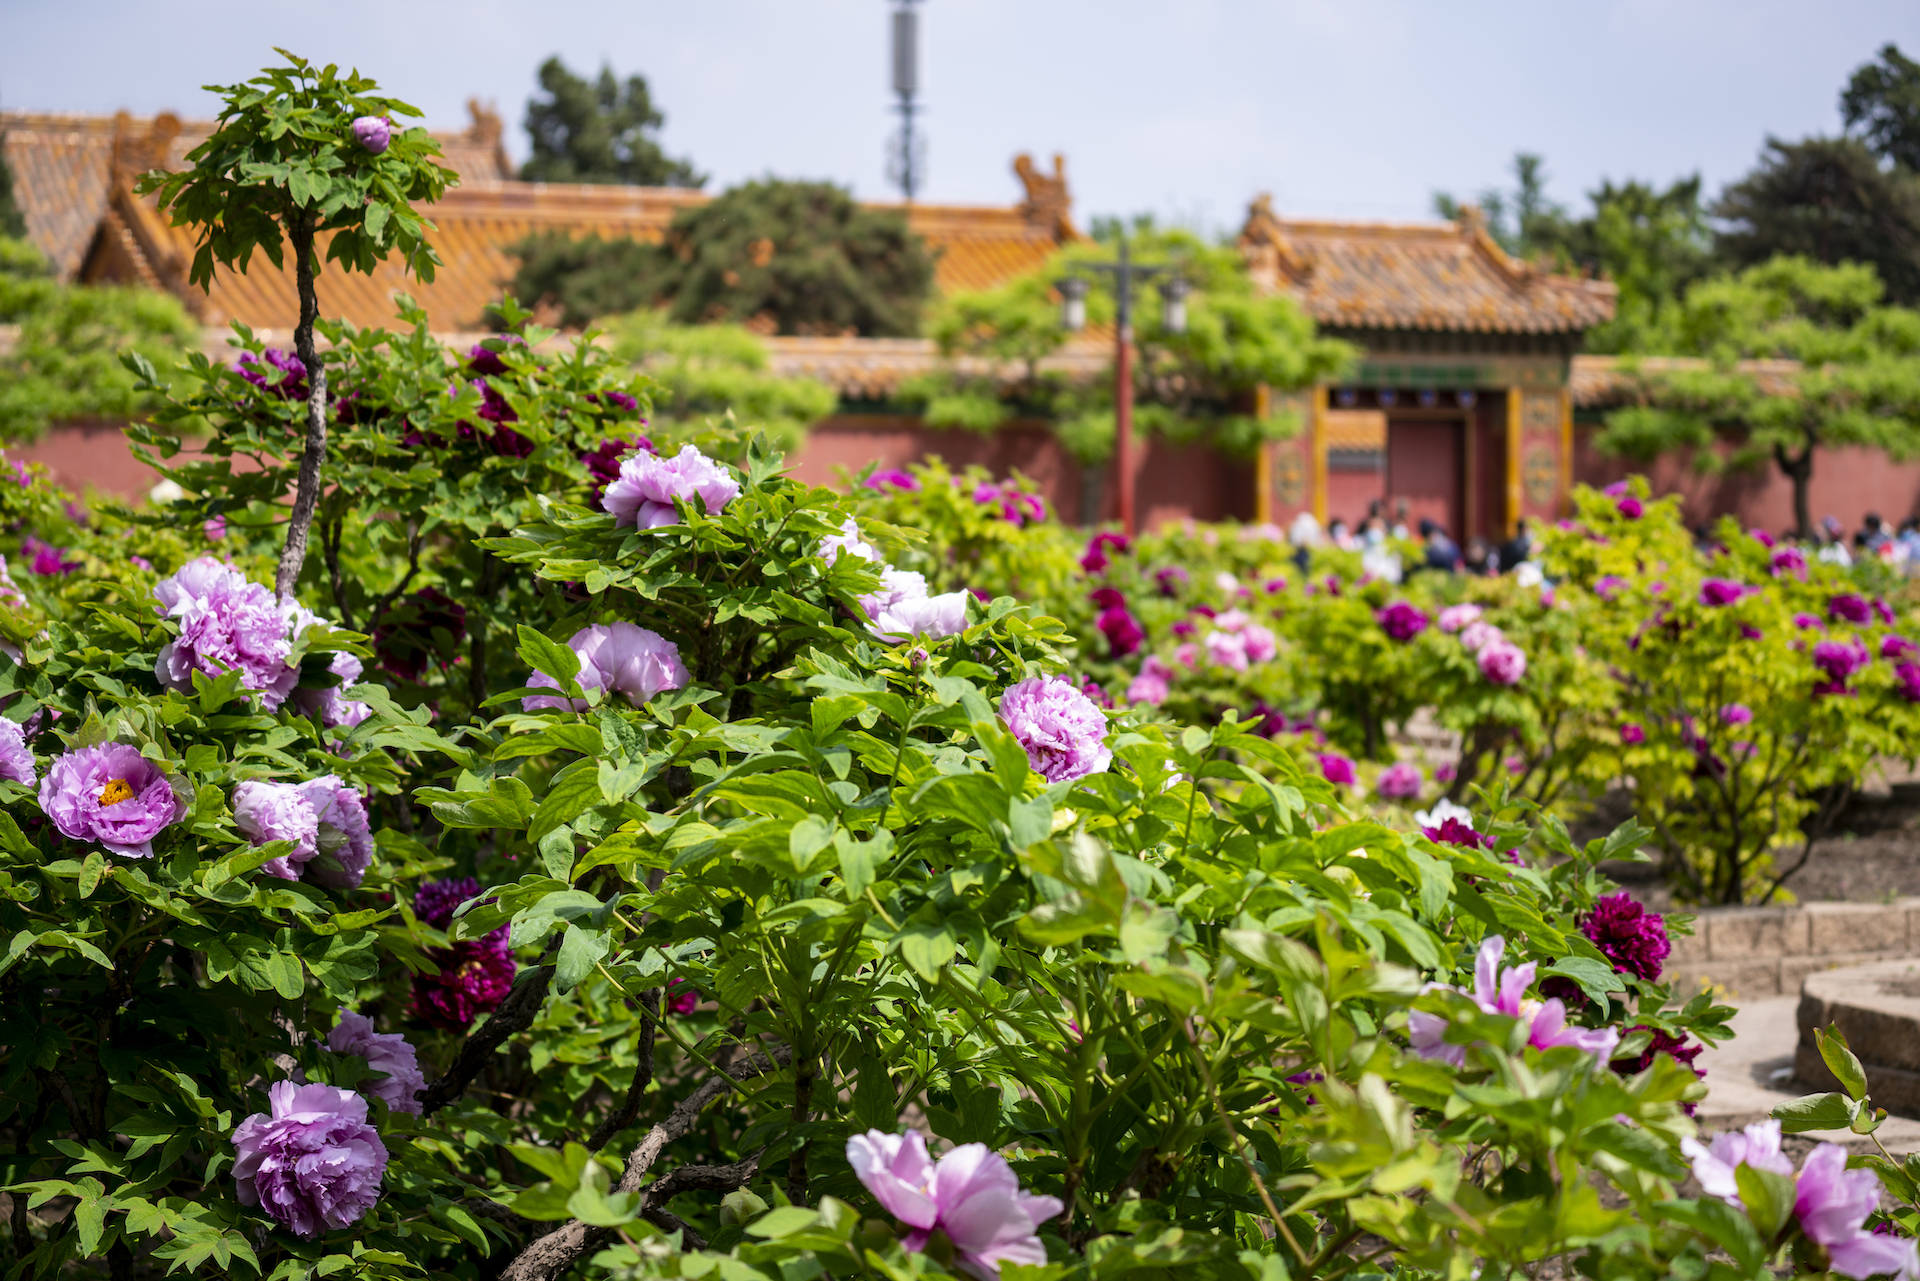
(611, 857)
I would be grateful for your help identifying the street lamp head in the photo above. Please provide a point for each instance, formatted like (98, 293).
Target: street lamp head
(1173, 304)
(1073, 303)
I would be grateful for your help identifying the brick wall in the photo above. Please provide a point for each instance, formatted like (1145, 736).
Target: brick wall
(1767, 951)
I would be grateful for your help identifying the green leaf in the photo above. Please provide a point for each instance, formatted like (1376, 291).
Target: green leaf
(283, 970)
(808, 837)
(1596, 978)
(91, 871)
(574, 791)
(783, 1222)
(927, 945)
(544, 654)
(1840, 1061)
(1767, 1196)
(1830, 1111)
(580, 950)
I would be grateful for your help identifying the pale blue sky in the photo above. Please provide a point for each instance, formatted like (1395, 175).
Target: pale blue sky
(1352, 108)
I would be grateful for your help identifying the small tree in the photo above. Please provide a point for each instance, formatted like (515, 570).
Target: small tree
(599, 132)
(1842, 372)
(1881, 104)
(300, 151)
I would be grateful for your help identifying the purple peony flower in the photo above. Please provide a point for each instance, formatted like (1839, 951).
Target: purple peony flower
(16, 758)
(1803, 620)
(386, 1052)
(1607, 586)
(1154, 684)
(970, 1195)
(1674, 1047)
(311, 1164)
(346, 838)
(1400, 781)
(472, 979)
(1095, 559)
(1122, 630)
(1832, 1203)
(1634, 939)
(1455, 617)
(1632, 735)
(892, 478)
(1504, 991)
(618, 658)
(1337, 769)
(1840, 659)
(908, 614)
(1908, 675)
(1477, 636)
(373, 133)
(1736, 714)
(1402, 620)
(226, 623)
(1892, 646)
(44, 559)
(266, 812)
(1787, 560)
(435, 902)
(1502, 663)
(276, 371)
(1630, 507)
(847, 540)
(681, 998)
(648, 485)
(1848, 607)
(1715, 592)
(1171, 580)
(331, 704)
(1063, 732)
(603, 461)
(1714, 1164)
(111, 796)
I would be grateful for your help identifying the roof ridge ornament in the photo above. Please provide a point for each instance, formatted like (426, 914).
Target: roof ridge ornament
(1049, 204)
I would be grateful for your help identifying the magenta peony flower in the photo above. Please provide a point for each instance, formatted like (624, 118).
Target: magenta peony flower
(1892, 646)
(1840, 659)
(276, 371)
(1749, 632)
(1607, 586)
(1171, 580)
(1402, 620)
(1715, 592)
(1477, 636)
(435, 902)
(1848, 607)
(603, 461)
(373, 133)
(226, 623)
(1883, 611)
(1674, 1047)
(892, 478)
(1504, 991)
(1453, 830)
(346, 838)
(1337, 769)
(386, 1052)
(1629, 507)
(16, 758)
(1632, 735)
(1616, 489)
(1736, 714)
(1062, 731)
(1908, 675)
(1502, 663)
(44, 559)
(648, 485)
(1455, 617)
(1634, 939)
(473, 978)
(970, 1196)
(1122, 630)
(1788, 560)
(266, 812)
(617, 658)
(1761, 536)
(311, 1164)
(111, 796)
(681, 998)
(1154, 684)
(1804, 620)
(1400, 781)
(1095, 559)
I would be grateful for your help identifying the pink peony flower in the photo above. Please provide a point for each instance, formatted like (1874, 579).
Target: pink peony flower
(1259, 643)
(1504, 991)
(227, 623)
(373, 132)
(1455, 617)
(892, 478)
(1400, 781)
(1632, 735)
(847, 540)
(680, 998)
(1787, 560)
(1736, 714)
(1063, 732)
(267, 812)
(16, 758)
(346, 838)
(603, 461)
(1607, 586)
(111, 796)
(644, 496)
(902, 609)
(1502, 663)
(1337, 769)
(1228, 649)
(313, 1162)
(1832, 1203)
(1477, 636)
(1154, 684)
(385, 1052)
(970, 1195)
(617, 658)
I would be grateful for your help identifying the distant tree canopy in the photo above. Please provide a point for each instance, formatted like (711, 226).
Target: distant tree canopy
(12, 221)
(795, 257)
(1881, 106)
(599, 131)
(1523, 220)
(1831, 200)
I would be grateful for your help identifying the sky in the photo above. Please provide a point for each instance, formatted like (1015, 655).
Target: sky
(1183, 108)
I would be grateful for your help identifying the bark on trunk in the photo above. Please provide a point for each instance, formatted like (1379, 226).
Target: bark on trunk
(307, 491)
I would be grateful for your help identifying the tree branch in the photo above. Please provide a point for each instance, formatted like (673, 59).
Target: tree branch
(551, 1255)
(621, 1117)
(307, 492)
(515, 1014)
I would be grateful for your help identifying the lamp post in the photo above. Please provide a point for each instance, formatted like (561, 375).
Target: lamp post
(1124, 273)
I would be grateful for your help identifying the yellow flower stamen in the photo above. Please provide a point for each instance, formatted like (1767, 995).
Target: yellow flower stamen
(116, 790)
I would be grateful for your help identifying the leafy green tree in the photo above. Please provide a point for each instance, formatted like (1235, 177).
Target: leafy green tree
(1524, 221)
(12, 221)
(1828, 199)
(703, 373)
(294, 157)
(1201, 382)
(583, 278)
(1844, 372)
(601, 131)
(1881, 105)
(1651, 242)
(65, 362)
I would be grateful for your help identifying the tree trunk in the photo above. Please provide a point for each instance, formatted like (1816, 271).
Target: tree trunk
(1799, 470)
(307, 491)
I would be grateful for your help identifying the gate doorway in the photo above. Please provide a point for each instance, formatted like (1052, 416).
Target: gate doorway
(1426, 470)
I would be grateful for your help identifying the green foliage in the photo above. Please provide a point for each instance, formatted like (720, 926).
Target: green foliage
(1830, 200)
(603, 131)
(1524, 221)
(1882, 104)
(1852, 380)
(585, 278)
(12, 221)
(1192, 385)
(704, 373)
(284, 163)
(66, 359)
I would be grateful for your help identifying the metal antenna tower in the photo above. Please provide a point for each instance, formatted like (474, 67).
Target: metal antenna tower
(907, 149)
